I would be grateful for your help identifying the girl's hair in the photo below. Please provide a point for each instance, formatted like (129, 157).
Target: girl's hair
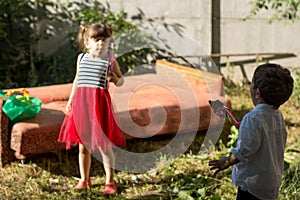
(96, 31)
(274, 82)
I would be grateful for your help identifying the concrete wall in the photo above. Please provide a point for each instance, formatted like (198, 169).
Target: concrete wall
(194, 15)
(228, 33)
(255, 35)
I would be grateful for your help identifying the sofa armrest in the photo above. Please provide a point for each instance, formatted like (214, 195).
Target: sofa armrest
(6, 153)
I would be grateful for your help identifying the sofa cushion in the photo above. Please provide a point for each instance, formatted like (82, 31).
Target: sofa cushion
(39, 134)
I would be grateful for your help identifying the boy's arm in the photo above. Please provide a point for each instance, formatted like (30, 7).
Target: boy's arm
(223, 163)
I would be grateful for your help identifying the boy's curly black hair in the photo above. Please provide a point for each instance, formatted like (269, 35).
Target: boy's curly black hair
(274, 82)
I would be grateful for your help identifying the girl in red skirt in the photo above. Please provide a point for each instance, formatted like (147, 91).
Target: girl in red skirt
(90, 121)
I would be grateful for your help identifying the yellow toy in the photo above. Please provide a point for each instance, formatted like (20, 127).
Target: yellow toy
(18, 91)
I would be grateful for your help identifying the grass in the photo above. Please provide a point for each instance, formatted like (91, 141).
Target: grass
(51, 176)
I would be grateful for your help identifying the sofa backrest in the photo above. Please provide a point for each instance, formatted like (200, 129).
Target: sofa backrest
(51, 93)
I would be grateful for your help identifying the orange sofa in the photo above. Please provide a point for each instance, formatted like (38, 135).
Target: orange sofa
(173, 99)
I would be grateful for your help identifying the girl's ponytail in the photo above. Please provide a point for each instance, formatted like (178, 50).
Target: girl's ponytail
(108, 30)
(81, 33)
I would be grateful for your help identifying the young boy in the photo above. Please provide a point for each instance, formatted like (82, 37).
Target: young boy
(258, 158)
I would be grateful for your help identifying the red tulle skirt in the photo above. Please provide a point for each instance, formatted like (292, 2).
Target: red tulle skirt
(91, 121)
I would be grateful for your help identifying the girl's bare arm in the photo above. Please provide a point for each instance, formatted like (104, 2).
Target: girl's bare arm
(68, 108)
(116, 75)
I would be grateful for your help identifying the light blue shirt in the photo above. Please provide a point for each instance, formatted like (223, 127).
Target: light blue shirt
(260, 149)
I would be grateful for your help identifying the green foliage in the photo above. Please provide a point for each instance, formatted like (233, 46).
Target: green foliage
(188, 178)
(288, 10)
(233, 137)
(2, 32)
(296, 91)
(133, 46)
(290, 183)
(26, 25)
(100, 13)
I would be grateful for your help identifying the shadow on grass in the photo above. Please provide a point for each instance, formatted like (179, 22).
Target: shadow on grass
(66, 162)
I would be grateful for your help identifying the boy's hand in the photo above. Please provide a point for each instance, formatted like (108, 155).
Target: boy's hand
(223, 163)
(220, 165)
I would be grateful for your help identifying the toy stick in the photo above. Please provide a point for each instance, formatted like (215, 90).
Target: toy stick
(221, 110)
(237, 124)
(111, 53)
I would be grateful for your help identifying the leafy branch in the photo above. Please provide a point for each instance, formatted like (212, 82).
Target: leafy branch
(286, 10)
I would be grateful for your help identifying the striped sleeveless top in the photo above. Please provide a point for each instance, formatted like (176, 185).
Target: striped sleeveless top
(93, 72)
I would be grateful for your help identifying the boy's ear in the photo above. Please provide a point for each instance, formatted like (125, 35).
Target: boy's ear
(257, 93)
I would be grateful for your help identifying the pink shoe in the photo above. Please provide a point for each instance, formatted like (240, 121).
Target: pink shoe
(110, 188)
(83, 185)
(89, 182)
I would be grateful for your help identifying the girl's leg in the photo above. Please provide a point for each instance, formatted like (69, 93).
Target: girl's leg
(84, 158)
(109, 164)
(84, 162)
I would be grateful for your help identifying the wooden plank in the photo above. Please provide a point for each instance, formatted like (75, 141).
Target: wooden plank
(249, 61)
(284, 54)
